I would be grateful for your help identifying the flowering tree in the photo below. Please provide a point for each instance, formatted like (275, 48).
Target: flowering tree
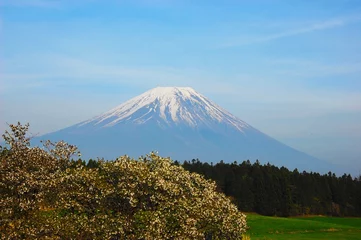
(25, 173)
(43, 195)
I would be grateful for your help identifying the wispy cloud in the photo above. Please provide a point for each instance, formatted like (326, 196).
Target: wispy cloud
(64, 70)
(318, 26)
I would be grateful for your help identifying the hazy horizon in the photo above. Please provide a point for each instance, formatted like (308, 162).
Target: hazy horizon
(290, 69)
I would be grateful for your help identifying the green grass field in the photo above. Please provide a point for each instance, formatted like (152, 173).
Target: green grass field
(262, 227)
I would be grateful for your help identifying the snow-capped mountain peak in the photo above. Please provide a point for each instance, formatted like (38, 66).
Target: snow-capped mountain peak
(183, 124)
(169, 106)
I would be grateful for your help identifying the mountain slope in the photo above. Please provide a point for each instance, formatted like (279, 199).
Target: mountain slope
(183, 124)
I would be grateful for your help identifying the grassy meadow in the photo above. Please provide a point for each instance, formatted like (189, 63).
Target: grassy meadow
(315, 227)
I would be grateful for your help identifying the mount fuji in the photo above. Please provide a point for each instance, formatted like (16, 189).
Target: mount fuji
(183, 124)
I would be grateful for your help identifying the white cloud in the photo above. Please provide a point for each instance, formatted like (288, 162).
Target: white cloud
(317, 26)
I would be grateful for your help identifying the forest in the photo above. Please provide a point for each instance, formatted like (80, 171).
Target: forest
(278, 191)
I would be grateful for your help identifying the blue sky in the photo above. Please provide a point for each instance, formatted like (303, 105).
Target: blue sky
(292, 69)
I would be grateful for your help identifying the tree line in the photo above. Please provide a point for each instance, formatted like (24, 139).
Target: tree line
(273, 191)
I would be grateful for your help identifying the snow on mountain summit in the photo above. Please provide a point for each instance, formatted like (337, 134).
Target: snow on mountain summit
(169, 106)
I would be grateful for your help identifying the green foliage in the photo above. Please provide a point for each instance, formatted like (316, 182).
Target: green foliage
(45, 194)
